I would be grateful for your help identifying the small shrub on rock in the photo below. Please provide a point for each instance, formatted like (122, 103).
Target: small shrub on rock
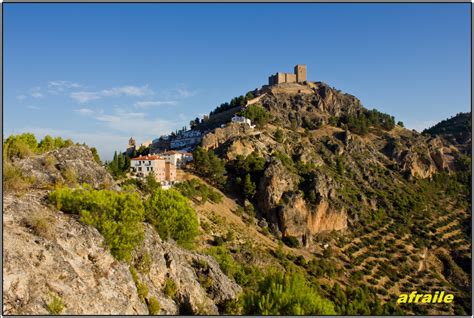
(153, 306)
(170, 288)
(55, 305)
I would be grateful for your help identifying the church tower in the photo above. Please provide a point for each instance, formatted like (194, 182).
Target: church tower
(131, 142)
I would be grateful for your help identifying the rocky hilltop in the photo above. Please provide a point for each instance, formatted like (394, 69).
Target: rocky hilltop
(320, 174)
(49, 252)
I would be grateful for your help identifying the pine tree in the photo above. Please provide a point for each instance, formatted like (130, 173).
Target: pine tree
(249, 187)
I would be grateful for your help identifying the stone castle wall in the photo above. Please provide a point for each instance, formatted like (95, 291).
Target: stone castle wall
(290, 78)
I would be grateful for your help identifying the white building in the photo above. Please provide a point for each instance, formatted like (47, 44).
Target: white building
(165, 172)
(242, 120)
(187, 138)
(177, 158)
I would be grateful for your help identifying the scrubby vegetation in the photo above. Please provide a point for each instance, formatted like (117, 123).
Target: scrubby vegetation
(170, 288)
(458, 126)
(153, 306)
(247, 171)
(235, 102)
(286, 294)
(55, 305)
(25, 145)
(172, 216)
(13, 178)
(359, 123)
(41, 225)
(209, 165)
(117, 215)
(198, 191)
(147, 185)
(257, 114)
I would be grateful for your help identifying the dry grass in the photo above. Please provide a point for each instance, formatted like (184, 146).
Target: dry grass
(69, 176)
(13, 179)
(41, 225)
(50, 162)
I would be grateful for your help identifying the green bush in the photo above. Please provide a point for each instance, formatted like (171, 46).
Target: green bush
(49, 162)
(150, 184)
(95, 154)
(170, 288)
(279, 137)
(153, 306)
(55, 305)
(117, 216)
(256, 113)
(20, 146)
(208, 165)
(172, 216)
(291, 241)
(247, 171)
(69, 176)
(24, 145)
(286, 294)
(227, 263)
(142, 291)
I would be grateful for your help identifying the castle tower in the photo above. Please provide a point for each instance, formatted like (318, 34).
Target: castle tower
(300, 71)
(131, 142)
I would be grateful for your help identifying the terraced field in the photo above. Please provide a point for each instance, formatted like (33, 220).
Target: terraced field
(391, 262)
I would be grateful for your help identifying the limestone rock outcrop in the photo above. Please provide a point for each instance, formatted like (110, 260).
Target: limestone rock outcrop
(74, 164)
(48, 252)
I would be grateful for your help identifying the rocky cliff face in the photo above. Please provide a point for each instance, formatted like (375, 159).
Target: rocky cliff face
(74, 164)
(187, 269)
(47, 251)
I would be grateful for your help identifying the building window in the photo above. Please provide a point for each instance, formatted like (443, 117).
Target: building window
(139, 168)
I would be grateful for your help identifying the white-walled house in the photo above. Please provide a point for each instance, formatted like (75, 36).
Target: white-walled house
(163, 171)
(242, 120)
(178, 158)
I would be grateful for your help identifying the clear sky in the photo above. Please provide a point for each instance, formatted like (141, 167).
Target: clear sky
(100, 73)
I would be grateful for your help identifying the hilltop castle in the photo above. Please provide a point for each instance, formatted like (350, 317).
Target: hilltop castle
(299, 76)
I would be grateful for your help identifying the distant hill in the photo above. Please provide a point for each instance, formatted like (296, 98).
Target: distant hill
(456, 129)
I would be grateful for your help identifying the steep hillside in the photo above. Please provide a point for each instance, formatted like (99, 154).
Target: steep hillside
(324, 207)
(392, 204)
(53, 262)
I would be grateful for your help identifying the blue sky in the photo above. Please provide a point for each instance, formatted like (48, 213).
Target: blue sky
(100, 73)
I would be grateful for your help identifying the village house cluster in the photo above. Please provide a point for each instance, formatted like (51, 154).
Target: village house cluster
(169, 152)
